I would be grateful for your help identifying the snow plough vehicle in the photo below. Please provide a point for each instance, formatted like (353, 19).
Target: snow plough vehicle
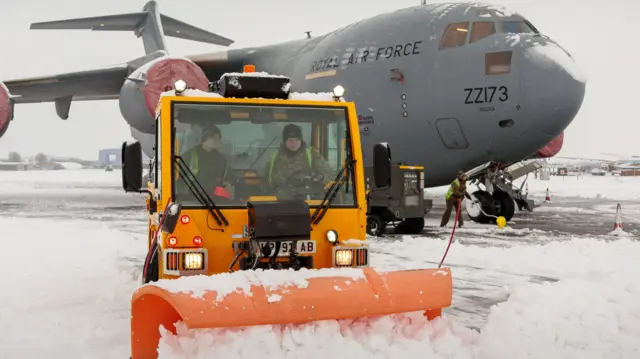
(257, 214)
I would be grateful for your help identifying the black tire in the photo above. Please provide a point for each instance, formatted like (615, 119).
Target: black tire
(152, 270)
(376, 226)
(507, 205)
(486, 204)
(410, 226)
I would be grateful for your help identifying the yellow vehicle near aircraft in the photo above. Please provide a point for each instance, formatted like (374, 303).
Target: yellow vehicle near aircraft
(220, 220)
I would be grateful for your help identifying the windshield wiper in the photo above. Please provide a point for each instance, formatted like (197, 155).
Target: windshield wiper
(200, 193)
(333, 190)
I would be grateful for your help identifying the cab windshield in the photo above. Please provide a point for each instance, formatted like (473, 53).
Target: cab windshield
(240, 152)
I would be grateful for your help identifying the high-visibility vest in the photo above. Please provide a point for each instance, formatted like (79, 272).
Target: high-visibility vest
(273, 161)
(194, 164)
(450, 191)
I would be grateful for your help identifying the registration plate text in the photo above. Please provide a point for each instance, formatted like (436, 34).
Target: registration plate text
(304, 247)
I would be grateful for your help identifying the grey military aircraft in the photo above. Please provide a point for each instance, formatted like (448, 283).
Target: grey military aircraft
(449, 86)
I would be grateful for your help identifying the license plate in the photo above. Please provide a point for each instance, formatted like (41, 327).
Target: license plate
(304, 247)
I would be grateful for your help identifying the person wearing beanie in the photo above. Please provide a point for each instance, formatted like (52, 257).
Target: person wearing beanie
(209, 166)
(295, 155)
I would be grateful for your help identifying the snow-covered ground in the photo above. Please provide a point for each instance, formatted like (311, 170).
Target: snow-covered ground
(518, 293)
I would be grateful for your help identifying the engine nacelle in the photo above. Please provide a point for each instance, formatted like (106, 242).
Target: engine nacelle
(552, 148)
(141, 91)
(6, 109)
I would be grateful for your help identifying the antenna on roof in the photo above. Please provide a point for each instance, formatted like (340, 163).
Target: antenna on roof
(308, 34)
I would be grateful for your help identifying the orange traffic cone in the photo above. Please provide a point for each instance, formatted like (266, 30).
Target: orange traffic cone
(548, 197)
(618, 222)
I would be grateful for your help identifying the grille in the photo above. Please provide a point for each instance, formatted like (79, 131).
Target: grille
(361, 257)
(172, 261)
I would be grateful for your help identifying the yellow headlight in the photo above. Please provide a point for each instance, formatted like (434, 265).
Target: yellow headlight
(193, 261)
(344, 257)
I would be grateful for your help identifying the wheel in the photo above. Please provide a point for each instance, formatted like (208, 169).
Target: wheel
(152, 270)
(410, 226)
(375, 225)
(487, 205)
(507, 205)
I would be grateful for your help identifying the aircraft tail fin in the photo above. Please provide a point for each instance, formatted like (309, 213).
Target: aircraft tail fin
(149, 24)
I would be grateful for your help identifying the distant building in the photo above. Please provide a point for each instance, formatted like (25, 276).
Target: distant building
(112, 156)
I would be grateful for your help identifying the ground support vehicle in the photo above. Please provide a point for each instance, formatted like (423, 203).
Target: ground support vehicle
(402, 202)
(241, 252)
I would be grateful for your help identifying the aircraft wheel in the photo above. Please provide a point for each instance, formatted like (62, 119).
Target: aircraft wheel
(507, 205)
(487, 205)
(375, 225)
(410, 226)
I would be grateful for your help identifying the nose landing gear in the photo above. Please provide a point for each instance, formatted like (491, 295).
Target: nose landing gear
(490, 206)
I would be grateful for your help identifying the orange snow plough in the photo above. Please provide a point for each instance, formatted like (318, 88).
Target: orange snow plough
(242, 234)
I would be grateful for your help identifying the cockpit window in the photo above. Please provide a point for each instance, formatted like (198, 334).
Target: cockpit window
(455, 35)
(482, 29)
(517, 27)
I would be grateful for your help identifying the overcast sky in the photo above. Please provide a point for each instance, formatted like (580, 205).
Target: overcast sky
(601, 36)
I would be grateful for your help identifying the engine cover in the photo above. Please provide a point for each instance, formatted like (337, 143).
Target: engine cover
(552, 148)
(6, 109)
(141, 90)
(279, 221)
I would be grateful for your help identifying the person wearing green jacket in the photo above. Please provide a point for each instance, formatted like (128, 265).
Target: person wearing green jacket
(210, 167)
(454, 197)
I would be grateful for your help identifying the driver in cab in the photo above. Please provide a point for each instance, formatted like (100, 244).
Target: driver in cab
(294, 160)
(209, 166)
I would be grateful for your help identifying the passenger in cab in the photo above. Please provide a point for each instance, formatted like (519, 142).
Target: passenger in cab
(209, 166)
(294, 155)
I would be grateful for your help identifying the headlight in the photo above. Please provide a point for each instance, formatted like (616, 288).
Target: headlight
(344, 257)
(193, 261)
(338, 91)
(332, 236)
(180, 86)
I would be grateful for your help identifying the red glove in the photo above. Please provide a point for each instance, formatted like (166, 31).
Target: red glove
(221, 192)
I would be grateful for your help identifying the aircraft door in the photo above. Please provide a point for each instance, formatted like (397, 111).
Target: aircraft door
(451, 133)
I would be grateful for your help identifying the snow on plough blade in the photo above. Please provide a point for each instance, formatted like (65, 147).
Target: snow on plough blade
(324, 295)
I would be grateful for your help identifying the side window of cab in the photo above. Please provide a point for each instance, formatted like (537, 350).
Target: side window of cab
(455, 35)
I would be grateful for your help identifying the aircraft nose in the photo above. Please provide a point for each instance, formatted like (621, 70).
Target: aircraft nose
(553, 87)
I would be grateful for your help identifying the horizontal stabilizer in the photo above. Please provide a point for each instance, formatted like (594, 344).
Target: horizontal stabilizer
(130, 22)
(148, 24)
(123, 22)
(182, 30)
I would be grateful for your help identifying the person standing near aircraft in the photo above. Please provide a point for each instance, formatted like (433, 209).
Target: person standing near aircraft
(454, 196)
(209, 166)
(294, 155)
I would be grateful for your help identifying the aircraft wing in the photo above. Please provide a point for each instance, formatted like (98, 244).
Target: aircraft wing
(98, 84)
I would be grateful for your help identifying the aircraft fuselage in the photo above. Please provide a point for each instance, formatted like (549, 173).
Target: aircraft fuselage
(436, 107)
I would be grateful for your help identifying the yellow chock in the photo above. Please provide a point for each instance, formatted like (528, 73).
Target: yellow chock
(501, 222)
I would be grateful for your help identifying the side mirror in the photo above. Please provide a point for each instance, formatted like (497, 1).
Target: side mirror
(382, 165)
(131, 166)
(170, 220)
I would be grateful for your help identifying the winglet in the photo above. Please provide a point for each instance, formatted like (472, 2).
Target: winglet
(148, 23)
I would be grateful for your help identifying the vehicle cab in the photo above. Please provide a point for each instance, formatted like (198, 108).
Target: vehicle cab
(250, 175)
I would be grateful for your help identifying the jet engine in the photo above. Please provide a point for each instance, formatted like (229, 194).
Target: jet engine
(6, 109)
(141, 90)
